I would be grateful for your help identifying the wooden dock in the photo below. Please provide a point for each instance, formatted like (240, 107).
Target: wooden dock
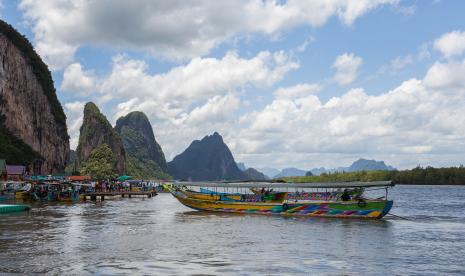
(125, 194)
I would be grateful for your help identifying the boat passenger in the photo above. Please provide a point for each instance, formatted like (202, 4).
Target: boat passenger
(345, 195)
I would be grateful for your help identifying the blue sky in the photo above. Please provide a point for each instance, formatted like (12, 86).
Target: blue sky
(290, 84)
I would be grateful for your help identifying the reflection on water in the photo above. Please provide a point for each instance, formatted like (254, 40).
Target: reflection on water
(160, 236)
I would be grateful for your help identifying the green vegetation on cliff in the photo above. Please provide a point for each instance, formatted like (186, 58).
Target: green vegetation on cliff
(90, 110)
(39, 68)
(99, 165)
(145, 169)
(145, 156)
(95, 131)
(14, 150)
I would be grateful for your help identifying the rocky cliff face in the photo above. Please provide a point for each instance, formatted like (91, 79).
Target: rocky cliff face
(96, 130)
(29, 108)
(146, 157)
(207, 159)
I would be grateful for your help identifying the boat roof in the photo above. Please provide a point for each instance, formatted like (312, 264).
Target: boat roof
(15, 169)
(259, 184)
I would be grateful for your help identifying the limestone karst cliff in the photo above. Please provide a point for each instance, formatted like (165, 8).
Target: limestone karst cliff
(95, 131)
(207, 159)
(146, 158)
(32, 122)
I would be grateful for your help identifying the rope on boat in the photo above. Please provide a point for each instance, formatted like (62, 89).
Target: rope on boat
(397, 216)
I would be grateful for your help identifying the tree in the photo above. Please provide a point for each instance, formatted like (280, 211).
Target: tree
(100, 163)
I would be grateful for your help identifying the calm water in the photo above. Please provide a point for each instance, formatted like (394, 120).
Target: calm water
(159, 236)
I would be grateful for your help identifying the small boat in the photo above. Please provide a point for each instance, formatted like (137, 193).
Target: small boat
(6, 196)
(69, 196)
(14, 190)
(339, 200)
(11, 208)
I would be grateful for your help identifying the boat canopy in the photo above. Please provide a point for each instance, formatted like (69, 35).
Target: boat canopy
(258, 184)
(124, 178)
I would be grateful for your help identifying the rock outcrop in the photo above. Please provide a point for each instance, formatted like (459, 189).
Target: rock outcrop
(288, 172)
(95, 131)
(241, 166)
(32, 121)
(253, 174)
(207, 159)
(146, 158)
(368, 165)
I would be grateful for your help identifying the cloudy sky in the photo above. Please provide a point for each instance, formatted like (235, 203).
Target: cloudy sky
(287, 83)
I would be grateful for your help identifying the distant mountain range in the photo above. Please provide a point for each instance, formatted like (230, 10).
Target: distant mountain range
(359, 165)
(290, 172)
(269, 172)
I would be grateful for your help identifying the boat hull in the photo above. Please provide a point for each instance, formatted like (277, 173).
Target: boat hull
(372, 209)
(22, 195)
(9, 208)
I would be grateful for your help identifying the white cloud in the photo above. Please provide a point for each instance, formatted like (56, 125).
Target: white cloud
(216, 109)
(446, 76)
(400, 62)
(303, 46)
(299, 90)
(75, 80)
(346, 66)
(174, 29)
(406, 10)
(74, 116)
(424, 52)
(188, 101)
(199, 79)
(451, 44)
(417, 149)
(420, 121)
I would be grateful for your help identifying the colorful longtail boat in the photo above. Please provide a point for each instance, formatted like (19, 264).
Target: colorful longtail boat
(338, 200)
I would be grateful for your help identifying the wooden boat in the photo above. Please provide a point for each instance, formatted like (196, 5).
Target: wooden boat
(55, 191)
(11, 208)
(279, 204)
(5, 195)
(68, 196)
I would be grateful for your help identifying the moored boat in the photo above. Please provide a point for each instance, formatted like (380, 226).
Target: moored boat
(11, 208)
(343, 200)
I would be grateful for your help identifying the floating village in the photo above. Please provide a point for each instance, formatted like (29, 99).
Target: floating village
(16, 185)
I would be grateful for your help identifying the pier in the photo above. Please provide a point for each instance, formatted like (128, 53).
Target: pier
(124, 194)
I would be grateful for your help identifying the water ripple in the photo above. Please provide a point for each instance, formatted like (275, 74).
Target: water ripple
(159, 236)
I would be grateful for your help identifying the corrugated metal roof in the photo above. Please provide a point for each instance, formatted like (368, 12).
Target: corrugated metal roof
(15, 169)
(78, 177)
